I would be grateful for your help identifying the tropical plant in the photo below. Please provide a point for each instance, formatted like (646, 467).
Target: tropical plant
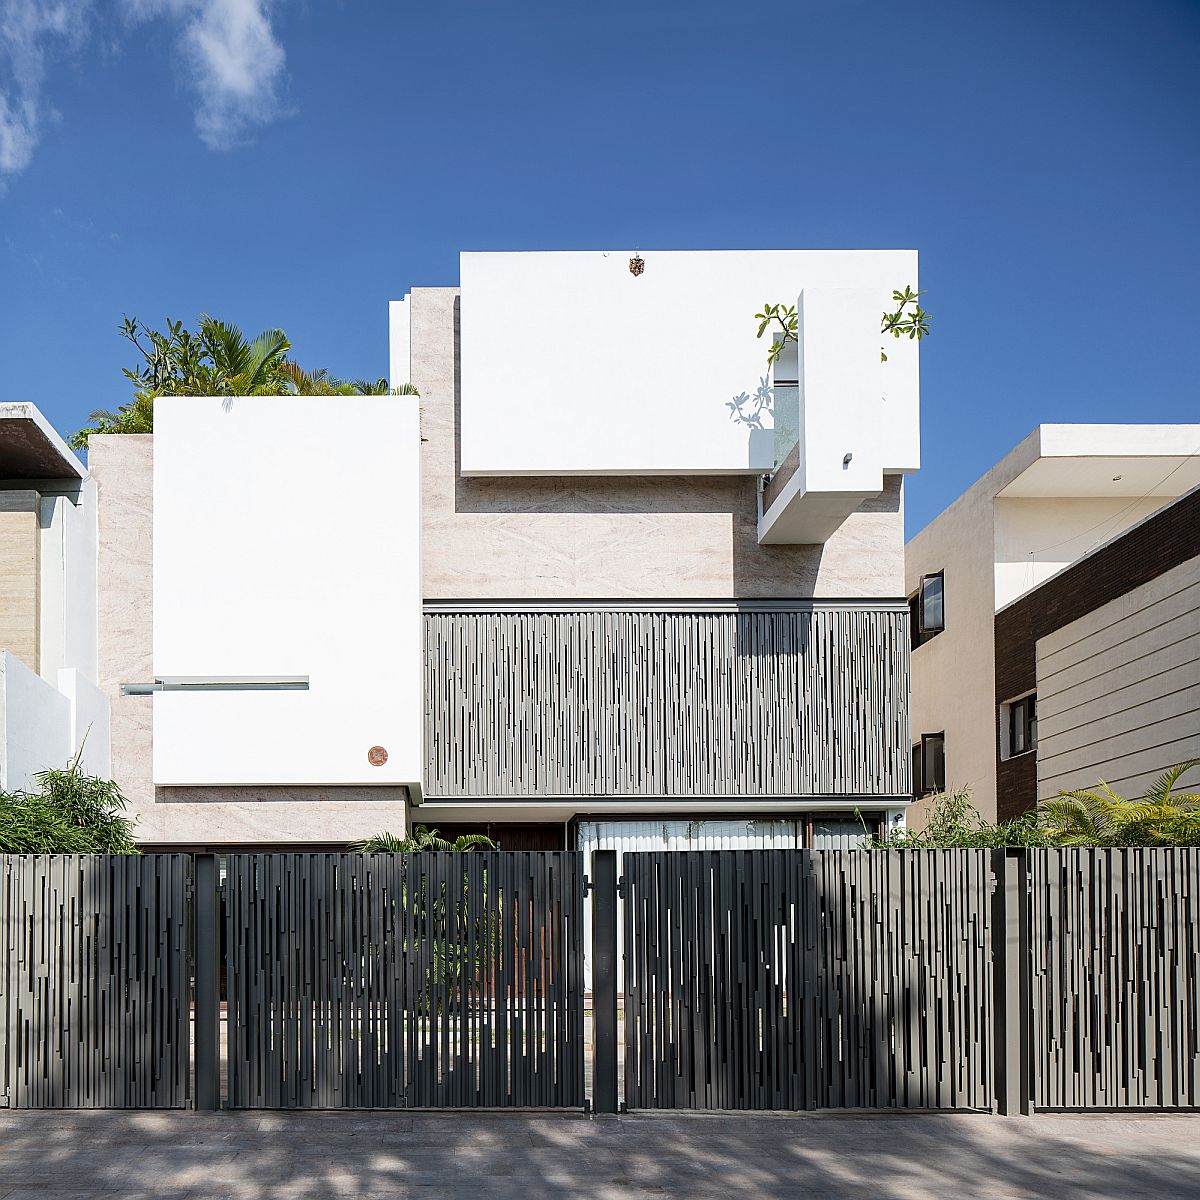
(422, 838)
(1162, 816)
(903, 321)
(217, 359)
(69, 813)
(955, 823)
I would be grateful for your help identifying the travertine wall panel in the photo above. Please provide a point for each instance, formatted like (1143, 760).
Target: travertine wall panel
(19, 605)
(611, 537)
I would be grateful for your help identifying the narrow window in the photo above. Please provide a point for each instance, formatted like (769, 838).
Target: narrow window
(926, 607)
(932, 615)
(1020, 726)
(929, 764)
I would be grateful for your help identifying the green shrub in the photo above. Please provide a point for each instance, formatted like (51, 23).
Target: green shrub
(69, 813)
(955, 823)
(1095, 816)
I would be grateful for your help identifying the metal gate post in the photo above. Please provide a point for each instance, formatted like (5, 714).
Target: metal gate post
(603, 885)
(207, 910)
(1011, 975)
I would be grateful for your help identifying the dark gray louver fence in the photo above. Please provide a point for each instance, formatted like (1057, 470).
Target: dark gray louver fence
(94, 981)
(406, 980)
(802, 980)
(1115, 940)
(798, 702)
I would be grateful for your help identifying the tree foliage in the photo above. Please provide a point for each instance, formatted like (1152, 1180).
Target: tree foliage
(955, 823)
(908, 319)
(69, 813)
(1163, 816)
(215, 359)
(422, 838)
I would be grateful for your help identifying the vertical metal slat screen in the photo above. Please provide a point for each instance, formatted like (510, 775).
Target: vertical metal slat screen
(405, 980)
(95, 981)
(804, 980)
(1115, 946)
(644, 703)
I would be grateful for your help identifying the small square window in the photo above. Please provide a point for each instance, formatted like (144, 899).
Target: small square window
(1019, 726)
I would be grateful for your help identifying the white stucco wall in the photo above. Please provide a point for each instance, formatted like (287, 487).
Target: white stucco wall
(572, 366)
(1119, 689)
(1037, 537)
(67, 520)
(286, 546)
(953, 674)
(90, 728)
(35, 725)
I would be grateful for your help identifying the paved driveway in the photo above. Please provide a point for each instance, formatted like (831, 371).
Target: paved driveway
(478, 1157)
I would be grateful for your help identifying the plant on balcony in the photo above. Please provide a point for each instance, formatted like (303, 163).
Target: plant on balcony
(216, 359)
(908, 319)
(69, 813)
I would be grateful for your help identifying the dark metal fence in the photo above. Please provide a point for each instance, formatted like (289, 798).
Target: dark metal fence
(95, 988)
(410, 980)
(1115, 944)
(807, 979)
(1063, 979)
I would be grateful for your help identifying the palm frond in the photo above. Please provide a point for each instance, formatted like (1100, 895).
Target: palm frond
(1160, 790)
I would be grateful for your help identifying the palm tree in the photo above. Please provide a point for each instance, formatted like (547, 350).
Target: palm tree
(235, 366)
(1100, 817)
(422, 838)
(216, 360)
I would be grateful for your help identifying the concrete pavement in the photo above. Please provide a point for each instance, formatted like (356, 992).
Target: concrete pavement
(303, 1156)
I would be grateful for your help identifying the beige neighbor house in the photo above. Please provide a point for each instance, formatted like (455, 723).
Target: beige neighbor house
(1062, 495)
(581, 592)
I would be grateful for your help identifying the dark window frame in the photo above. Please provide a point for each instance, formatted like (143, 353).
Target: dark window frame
(920, 752)
(1019, 726)
(921, 629)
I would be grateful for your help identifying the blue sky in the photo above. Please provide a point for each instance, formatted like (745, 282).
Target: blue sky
(298, 164)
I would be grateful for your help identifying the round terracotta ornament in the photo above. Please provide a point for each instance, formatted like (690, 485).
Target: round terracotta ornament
(377, 756)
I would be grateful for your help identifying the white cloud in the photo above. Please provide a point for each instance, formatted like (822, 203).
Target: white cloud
(235, 60)
(31, 31)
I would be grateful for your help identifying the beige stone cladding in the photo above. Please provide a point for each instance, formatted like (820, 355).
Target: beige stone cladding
(611, 537)
(19, 568)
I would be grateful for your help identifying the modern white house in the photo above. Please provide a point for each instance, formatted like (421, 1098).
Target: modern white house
(1015, 560)
(608, 580)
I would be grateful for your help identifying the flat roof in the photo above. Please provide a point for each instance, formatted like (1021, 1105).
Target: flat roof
(1109, 460)
(30, 448)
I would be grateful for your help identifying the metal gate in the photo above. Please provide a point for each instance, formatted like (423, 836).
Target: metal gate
(95, 981)
(1115, 948)
(405, 980)
(801, 979)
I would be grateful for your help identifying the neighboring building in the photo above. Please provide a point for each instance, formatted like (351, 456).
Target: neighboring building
(50, 707)
(1062, 493)
(1106, 659)
(608, 581)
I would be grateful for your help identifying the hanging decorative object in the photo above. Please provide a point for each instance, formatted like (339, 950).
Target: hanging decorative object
(637, 264)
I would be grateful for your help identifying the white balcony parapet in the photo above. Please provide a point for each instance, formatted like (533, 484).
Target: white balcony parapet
(849, 420)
